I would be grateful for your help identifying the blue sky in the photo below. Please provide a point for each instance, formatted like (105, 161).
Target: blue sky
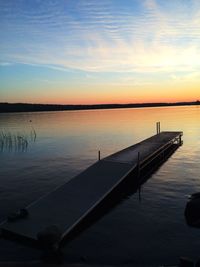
(88, 51)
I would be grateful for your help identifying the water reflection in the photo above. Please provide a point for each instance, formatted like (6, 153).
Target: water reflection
(68, 142)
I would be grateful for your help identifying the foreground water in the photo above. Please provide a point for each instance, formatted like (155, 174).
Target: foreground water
(152, 231)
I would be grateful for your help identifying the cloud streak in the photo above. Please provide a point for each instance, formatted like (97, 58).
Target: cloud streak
(95, 36)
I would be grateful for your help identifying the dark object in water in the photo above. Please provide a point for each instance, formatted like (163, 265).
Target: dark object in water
(192, 211)
(195, 196)
(21, 214)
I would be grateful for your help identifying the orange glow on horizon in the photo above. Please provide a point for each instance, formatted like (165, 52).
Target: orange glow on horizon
(123, 97)
(104, 94)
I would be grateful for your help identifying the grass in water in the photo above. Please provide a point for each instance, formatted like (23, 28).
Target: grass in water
(18, 142)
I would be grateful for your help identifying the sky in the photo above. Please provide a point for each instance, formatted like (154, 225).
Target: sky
(91, 51)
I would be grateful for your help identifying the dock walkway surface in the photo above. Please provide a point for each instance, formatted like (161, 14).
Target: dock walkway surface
(69, 204)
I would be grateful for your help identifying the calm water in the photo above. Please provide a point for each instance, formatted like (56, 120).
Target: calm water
(152, 231)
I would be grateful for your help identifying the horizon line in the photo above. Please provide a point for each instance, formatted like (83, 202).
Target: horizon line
(100, 104)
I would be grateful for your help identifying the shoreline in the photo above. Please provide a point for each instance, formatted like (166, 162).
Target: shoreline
(27, 107)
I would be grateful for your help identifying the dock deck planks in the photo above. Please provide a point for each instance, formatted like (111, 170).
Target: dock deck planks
(69, 204)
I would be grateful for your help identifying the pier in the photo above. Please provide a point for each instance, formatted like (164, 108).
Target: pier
(67, 206)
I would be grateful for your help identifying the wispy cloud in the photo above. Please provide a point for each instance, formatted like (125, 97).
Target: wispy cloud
(96, 36)
(5, 64)
(118, 57)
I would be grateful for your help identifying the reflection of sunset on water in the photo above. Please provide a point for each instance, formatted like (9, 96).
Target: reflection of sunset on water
(68, 142)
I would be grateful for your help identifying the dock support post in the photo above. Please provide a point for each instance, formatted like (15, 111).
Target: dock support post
(99, 155)
(139, 191)
(138, 174)
(138, 165)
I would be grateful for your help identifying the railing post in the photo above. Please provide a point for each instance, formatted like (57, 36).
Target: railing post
(180, 141)
(157, 127)
(99, 155)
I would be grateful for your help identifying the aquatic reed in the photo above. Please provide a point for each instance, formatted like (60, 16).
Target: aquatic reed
(19, 141)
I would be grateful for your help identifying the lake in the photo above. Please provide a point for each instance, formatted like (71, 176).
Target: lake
(152, 231)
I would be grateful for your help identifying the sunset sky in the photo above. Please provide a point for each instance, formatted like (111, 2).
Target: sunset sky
(92, 51)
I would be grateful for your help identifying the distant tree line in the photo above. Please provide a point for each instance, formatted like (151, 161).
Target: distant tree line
(26, 107)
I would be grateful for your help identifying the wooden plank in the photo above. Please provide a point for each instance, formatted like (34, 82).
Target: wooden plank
(69, 204)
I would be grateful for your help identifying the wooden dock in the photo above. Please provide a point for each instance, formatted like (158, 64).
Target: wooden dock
(69, 204)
